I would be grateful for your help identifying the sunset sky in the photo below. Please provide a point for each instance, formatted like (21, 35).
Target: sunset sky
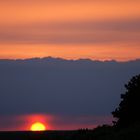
(71, 29)
(57, 72)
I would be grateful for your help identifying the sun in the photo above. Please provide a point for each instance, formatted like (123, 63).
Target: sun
(38, 126)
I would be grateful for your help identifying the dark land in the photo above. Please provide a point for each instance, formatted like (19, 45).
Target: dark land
(101, 133)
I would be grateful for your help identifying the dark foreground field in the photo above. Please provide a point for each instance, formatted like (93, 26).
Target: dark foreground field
(100, 133)
(44, 135)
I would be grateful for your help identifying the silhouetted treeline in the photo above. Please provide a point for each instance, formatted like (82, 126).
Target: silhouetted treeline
(128, 111)
(101, 133)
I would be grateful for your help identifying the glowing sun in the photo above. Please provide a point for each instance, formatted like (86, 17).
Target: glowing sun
(38, 126)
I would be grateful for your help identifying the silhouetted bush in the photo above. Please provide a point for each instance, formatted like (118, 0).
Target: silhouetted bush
(128, 112)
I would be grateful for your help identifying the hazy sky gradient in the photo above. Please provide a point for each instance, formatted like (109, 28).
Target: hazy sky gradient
(96, 29)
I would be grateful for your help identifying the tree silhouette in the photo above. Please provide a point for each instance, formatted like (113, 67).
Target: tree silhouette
(128, 112)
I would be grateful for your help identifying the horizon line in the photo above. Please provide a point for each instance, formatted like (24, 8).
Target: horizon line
(70, 59)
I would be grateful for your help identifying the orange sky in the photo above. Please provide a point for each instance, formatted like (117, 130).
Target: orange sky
(99, 29)
(99, 52)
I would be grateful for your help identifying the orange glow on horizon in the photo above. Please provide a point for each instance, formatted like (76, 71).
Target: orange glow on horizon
(37, 121)
(38, 126)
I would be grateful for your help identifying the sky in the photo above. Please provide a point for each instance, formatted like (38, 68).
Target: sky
(62, 94)
(55, 55)
(70, 29)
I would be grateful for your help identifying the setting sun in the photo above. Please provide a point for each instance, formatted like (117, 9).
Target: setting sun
(38, 127)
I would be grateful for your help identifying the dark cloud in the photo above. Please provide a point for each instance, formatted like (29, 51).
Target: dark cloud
(80, 93)
(58, 86)
(82, 32)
